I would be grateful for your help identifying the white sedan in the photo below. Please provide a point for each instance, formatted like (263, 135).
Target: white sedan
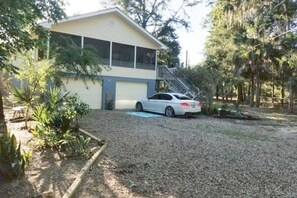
(170, 104)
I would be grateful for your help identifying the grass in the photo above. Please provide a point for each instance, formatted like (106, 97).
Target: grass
(235, 134)
(243, 135)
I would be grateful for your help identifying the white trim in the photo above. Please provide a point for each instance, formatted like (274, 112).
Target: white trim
(48, 45)
(115, 10)
(156, 65)
(135, 53)
(156, 60)
(82, 41)
(110, 54)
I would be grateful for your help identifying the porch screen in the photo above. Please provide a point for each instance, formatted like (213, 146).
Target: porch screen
(122, 55)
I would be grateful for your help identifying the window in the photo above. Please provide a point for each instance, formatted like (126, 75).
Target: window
(145, 58)
(155, 97)
(165, 97)
(58, 39)
(182, 97)
(122, 55)
(102, 47)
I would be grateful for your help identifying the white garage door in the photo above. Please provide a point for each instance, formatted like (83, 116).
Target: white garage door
(90, 93)
(127, 93)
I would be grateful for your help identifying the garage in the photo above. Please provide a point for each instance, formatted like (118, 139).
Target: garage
(89, 92)
(127, 93)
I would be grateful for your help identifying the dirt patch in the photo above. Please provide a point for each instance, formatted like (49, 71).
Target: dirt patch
(48, 171)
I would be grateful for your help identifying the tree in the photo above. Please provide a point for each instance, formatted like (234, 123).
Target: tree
(35, 75)
(18, 22)
(256, 38)
(203, 77)
(82, 62)
(158, 17)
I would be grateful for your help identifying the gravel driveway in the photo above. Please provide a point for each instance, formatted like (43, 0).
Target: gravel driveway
(200, 157)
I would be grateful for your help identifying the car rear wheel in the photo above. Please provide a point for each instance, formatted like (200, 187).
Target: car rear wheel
(169, 112)
(139, 107)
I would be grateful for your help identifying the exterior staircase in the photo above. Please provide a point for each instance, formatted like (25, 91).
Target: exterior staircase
(176, 84)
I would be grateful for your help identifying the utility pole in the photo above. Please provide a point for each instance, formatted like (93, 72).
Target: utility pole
(187, 59)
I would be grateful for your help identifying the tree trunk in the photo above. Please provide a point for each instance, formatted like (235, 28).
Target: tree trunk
(217, 92)
(249, 92)
(291, 98)
(282, 95)
(223, 93)
(239, 93)
(1, 107)
(243, 93)
(273, 94)
(3, 128)
(252, 91)
(258, 88)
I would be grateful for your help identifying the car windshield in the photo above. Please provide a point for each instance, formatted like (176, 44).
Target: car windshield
(182, 97)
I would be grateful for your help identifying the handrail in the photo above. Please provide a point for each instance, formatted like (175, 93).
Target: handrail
(176, 84)
(172, 75)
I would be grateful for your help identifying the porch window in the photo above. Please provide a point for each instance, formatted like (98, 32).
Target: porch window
(102, 47)
(122, 55)
(57, 39)
(145, 58)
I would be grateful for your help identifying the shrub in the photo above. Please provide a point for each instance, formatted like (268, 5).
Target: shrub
(75, 145)
(12, 161)
(57, 117)
(216, 108)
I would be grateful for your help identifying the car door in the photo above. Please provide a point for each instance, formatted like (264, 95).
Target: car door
(152, 103)
(164, 102)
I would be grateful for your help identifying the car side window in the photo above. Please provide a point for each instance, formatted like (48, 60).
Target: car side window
(165, 97)
(155, 97)
(182, 97)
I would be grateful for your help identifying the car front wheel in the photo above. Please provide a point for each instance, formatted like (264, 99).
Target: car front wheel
(139, 107)
(169, 112)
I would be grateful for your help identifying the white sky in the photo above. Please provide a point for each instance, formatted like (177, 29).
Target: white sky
(192, 41)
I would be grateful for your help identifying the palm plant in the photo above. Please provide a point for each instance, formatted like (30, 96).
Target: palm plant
(12, 160)
(25, 96)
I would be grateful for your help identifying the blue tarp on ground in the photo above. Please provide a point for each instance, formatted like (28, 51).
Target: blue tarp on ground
(144, 114)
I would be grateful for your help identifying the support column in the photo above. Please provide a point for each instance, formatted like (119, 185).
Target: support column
(110, 54)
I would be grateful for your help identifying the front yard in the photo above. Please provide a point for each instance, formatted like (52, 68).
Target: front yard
(176, 157)
(202, 157)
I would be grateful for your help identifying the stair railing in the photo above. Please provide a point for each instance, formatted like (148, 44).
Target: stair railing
(175, 84)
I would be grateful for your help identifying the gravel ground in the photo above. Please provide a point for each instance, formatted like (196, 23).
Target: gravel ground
(200, 157)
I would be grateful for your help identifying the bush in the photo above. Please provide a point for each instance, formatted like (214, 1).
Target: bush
(12, 161)
(57, 117)
(203, 78)
(216, 108)
(75, 145)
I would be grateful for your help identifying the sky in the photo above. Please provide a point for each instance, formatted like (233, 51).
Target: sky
(191, 41)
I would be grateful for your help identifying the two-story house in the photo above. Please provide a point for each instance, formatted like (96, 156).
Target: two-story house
(128, 49)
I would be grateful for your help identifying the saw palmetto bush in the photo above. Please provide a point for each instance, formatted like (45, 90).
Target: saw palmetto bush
(13, 161)
(57, 118)
(24, 96)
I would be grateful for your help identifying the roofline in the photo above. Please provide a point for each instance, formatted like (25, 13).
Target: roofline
(47, 25)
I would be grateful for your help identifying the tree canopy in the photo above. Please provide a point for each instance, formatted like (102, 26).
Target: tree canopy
(19, 29)
(161, 19)
(19, 21)
(253, 42)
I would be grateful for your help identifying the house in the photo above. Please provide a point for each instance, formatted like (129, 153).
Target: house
(128, 49)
